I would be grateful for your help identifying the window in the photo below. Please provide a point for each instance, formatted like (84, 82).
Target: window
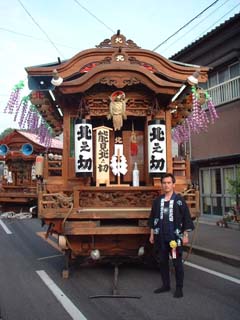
(228, 173)
(216, 181)
(206, 205)
(234, 70)
(205, 181)
(213, 80)
(214, 189)
(223, 75)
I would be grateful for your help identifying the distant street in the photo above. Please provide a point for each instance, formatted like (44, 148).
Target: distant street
(32, 288)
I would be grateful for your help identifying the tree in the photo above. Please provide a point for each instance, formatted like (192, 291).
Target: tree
(6, 132)
(234, 189)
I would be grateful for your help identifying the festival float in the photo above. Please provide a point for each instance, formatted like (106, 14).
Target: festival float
(20, 151)
(119, 107)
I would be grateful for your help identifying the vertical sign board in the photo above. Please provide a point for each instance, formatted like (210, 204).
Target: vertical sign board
(83, 147)
(157, 147)
(102, 155)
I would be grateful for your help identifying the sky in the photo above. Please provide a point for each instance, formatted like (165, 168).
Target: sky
(37, 32)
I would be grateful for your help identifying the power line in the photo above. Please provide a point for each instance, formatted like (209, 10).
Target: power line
(185, 25)
(174, 42)
(32, 37)
(43, 31)
(94, 16)
(218, 21)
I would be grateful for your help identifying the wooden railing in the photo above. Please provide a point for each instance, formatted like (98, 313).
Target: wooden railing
(18, 194)
(53, 168)
(181, 167)
(193, 201)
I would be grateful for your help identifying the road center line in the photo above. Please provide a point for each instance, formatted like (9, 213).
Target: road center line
(215, 273)
(61, 297)
(5, 228)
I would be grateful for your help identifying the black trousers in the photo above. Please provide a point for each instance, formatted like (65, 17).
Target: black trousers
(162, 252)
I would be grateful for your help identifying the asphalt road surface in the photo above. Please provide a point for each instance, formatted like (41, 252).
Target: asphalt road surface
(32, 287)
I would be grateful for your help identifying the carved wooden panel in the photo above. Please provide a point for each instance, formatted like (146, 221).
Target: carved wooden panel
(135, 106)
(120, 199)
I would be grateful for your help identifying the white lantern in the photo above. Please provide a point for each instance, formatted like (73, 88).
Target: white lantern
(83, 147)
(157, 147)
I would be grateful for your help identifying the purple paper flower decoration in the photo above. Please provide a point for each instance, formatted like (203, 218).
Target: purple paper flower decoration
(14, 100)
(197, 121)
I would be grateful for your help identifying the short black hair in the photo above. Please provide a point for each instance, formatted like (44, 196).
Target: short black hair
(167, 175)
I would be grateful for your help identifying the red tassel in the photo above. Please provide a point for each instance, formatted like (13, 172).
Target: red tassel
(134, 146)
(134, 149)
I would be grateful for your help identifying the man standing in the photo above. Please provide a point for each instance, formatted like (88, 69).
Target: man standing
(170, 222)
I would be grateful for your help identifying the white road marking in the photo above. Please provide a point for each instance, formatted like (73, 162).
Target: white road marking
(61, 297)
(215, 273)
(50, 257)
(5, 228)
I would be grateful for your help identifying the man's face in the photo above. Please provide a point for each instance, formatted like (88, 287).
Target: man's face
(167, 185)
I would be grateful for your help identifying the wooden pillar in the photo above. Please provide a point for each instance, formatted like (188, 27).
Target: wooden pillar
(147, 176)
(66, 146)
(76, 198)
(168, 119)
(188, 169)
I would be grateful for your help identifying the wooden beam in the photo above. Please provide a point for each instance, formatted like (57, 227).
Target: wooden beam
(72, 228)
(52, 213)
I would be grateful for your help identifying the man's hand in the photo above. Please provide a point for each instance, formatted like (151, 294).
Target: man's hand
(185, 239)
(151, 238)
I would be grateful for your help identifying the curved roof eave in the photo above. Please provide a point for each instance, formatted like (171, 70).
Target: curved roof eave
(115, 74)
(163, 66)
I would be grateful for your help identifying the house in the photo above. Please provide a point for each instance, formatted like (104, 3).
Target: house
(215, 154)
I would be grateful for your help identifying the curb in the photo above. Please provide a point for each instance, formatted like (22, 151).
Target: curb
(215, 255)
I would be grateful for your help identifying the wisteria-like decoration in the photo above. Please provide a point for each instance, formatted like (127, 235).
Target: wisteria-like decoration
(14, 100)
(198, 120)
(24, 108)
(32, 119)
(211, 108)
(28, 116)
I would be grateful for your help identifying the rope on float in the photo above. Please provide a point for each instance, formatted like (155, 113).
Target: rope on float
(192, 241)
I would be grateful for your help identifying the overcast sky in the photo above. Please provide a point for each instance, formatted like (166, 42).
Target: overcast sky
(36, 32)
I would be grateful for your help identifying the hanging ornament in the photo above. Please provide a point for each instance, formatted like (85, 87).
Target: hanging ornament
(13, 102)
(28, 116)
(198, 120)
(118, 161)
(23, 107)
(133, 145)
(119, 165)
(211, 108)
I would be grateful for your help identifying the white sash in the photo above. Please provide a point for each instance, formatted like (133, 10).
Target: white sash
(171, 203)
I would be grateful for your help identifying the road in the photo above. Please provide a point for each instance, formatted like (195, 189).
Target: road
(32, 288)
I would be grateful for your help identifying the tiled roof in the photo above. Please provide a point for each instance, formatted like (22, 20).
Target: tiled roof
(55, 143)
(217, 29)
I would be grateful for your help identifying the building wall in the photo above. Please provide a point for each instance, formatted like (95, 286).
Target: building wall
(222, 138)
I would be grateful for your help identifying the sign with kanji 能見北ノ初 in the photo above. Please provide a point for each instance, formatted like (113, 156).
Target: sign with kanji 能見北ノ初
(102, 155)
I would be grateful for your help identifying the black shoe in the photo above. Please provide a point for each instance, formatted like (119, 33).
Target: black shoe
(162, 289)
(178, 293)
